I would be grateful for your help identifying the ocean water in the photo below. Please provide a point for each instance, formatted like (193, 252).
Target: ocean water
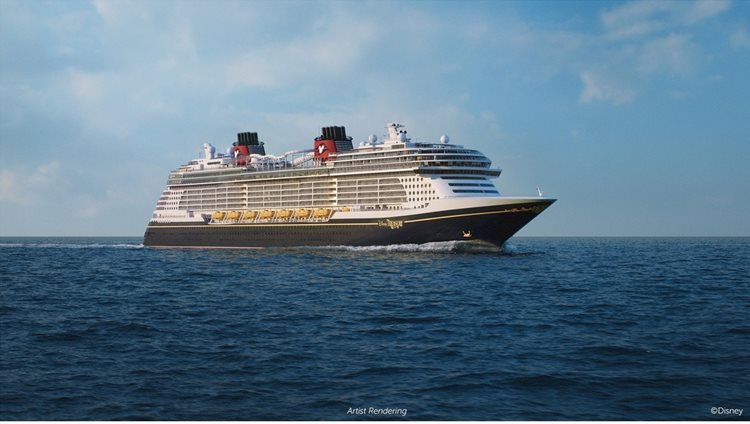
(545, 329)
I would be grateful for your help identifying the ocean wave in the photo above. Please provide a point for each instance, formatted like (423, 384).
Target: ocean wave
(511, 249)
(448, 336)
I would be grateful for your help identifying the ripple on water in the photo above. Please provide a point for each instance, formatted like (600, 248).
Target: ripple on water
(544, 329)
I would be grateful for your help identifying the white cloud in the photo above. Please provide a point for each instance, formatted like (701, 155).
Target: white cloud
(672, 54)
(704, 9)
(740, 38)
(30, 187)
(643, 17)
(644, 39)
(88, 206)
(44, 176)
(116, 11)
(597, 87)
(88, 87)
(109, 10)
(99, 100)
(635, 18)
(335, 50)
(8, 187)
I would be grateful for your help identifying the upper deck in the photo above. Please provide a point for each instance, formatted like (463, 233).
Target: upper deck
(395, 154)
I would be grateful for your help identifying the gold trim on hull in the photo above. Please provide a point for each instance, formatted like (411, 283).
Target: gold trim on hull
(535, 209)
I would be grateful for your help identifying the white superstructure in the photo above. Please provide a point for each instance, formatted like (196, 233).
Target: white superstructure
(394, 174)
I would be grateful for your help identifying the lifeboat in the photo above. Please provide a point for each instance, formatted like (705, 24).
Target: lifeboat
(219, 215)
(285, 214)
(249, 214)
(266, 214)
(302, 213)
(234, 215)
(322, 213)
(345, 209)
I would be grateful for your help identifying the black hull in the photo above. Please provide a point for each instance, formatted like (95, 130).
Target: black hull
(492, 225)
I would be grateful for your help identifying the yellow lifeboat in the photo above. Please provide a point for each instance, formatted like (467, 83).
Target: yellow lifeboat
(219, 215)
(234, 215)
(302, 213)
(266, 214)
(249, 214)
(322, 213)
(345, 209)
(285, 214)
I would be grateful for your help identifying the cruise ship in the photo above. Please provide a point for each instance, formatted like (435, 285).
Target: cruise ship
(379, 192)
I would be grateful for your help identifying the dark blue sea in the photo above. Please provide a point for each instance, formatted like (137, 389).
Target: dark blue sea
(544, 329)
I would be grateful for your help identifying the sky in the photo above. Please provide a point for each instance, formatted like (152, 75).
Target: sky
(634, 115)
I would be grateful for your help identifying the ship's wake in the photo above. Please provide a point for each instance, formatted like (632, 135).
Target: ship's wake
(432, 247)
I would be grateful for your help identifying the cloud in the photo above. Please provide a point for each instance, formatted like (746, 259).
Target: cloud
(672, 54)
(644, 17)
(98, 100)
(740, 38)
(88, 206)
(44, 176)
(8, 187)
(116, 11)
(703, 9)
(30, 187)
(643, 40)
(88, 87)
(112, 103)
(634, 19)
(324, 53)
(597, 87)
